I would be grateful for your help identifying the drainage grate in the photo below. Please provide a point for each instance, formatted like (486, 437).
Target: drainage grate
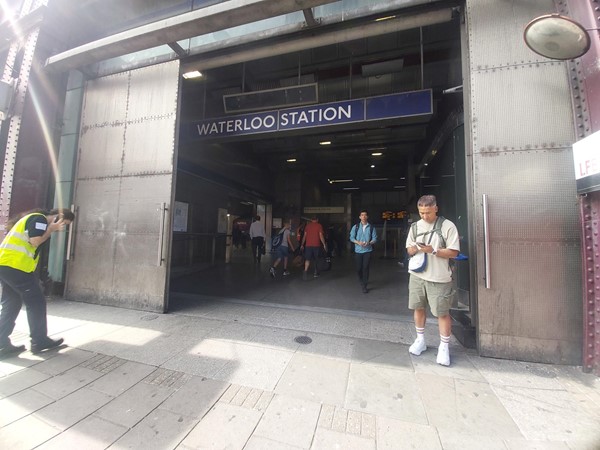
(303, 340)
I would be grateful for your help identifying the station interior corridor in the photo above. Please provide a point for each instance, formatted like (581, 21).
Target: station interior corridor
(336, 289)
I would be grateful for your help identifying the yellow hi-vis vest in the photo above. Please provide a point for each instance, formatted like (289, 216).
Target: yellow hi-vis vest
(16, 251)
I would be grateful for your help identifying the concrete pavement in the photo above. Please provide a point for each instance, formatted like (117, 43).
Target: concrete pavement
(231, 375)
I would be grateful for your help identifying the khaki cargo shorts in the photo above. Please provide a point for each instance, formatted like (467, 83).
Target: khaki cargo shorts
(439, 296)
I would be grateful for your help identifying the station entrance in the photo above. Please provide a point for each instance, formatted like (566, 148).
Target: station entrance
(267, 137)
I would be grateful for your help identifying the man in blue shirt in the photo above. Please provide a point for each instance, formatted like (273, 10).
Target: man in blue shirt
(363, 236)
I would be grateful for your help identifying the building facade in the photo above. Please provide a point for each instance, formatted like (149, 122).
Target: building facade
(102, 119)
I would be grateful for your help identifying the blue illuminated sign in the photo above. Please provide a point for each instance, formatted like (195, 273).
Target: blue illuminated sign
(406, 104)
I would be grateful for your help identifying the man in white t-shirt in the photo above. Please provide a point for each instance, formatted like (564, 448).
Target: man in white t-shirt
(257, 236)
(439, 240)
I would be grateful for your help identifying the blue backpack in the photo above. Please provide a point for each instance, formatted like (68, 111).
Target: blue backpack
(277, 239)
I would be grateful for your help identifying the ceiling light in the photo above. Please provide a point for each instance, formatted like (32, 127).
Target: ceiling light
(372, 166)
(384, 18)
(376, 154)
(376, 179)
(192, 74)
(350, 188)
(399, 187)
(325, 143)
(426, 164)
(291, 160)
(340, 181)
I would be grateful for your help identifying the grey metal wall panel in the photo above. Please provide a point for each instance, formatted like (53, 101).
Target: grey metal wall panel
(125, 174)
(527, 194)
(496, 31)
(521, 132)
(145, 146)
(522, 107)
(107, 145)
(105, 101)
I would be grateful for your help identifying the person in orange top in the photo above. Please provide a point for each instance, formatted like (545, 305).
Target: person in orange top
(312, 239)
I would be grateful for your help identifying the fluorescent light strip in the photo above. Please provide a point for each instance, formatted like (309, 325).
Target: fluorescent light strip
(291, 160)
(350, 188)
(376, 179)
(325, 143)
(193, 74)
(376, 154)
(339, 181)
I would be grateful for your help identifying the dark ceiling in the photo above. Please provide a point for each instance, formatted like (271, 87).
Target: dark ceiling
(338, 71)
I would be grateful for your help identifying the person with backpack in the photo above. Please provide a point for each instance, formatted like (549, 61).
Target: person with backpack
(281, 244)
(363, 236)
(431, 243)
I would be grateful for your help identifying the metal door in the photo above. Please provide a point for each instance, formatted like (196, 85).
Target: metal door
(124, 188)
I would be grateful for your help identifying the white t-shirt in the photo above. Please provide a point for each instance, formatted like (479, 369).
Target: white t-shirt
(438, 269)
(257, 229)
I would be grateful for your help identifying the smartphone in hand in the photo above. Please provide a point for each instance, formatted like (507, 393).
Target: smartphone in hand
(421, 244)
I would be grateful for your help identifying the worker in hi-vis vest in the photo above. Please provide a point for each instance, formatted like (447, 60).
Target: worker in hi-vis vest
(19, 255)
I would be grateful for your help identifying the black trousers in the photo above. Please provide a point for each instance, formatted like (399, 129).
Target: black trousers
(19, 287)
(362, 266)
(257, 245)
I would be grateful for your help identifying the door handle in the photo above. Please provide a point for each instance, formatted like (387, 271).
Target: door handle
(161, 232)
(70, 247)
(486, 242)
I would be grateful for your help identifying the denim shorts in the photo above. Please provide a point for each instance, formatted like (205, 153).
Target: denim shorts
(282, 251)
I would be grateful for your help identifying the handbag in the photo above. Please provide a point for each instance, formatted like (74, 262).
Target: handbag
(418, 262)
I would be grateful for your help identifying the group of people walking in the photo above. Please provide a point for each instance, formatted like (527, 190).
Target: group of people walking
(431, 243)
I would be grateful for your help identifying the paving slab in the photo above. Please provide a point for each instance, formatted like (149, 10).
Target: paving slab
(261, 443)
(204, 358)
(61, 360)
(502, 372)
(553, 415)
(225, 426)
(465, 406)
(383, 354)
(195, 398)
(65, 383)
(254, 366)
(120, 379)
(329, 439)
(393, 434)
(26, 433)
(69, 410)
(459, 440)
(135, 404)
(385, 392)
(20, 405)
(18, 381)
(461, 365)
(290, 421)
(522, 444)
(315, 378)
(328, 346)
(159, 430)
(92, 433)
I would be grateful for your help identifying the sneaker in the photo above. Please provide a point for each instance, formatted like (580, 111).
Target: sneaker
(46, 344)
(316, 275)
(10, 349)
(417, 347)
(443, 356)
(305, 275)
(364, 289)
(272, 272)
(286, 273)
